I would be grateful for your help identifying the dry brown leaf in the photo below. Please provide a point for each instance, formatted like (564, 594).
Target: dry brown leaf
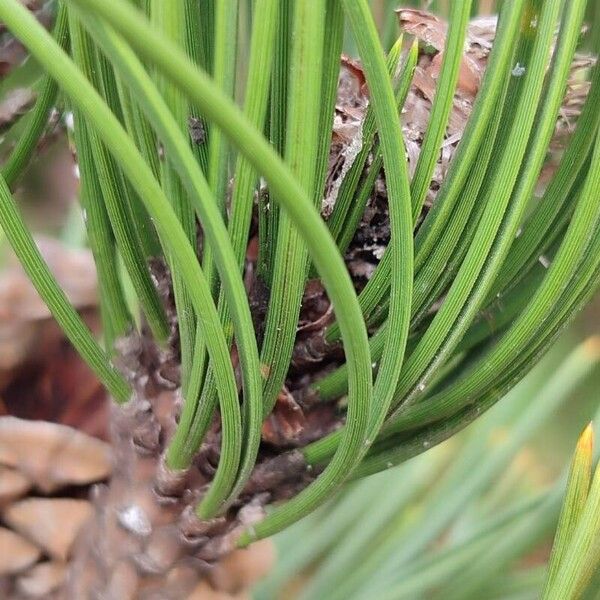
(424, 25)
(12, 52)
(14, 104)
(285, 422)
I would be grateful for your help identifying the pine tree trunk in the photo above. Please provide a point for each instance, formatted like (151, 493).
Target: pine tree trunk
(142, 540)
(145, 540)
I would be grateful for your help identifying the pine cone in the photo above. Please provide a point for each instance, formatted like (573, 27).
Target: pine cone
(48, 472)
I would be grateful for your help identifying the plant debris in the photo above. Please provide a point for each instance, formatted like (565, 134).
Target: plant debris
(12, 52)
(15, 104)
